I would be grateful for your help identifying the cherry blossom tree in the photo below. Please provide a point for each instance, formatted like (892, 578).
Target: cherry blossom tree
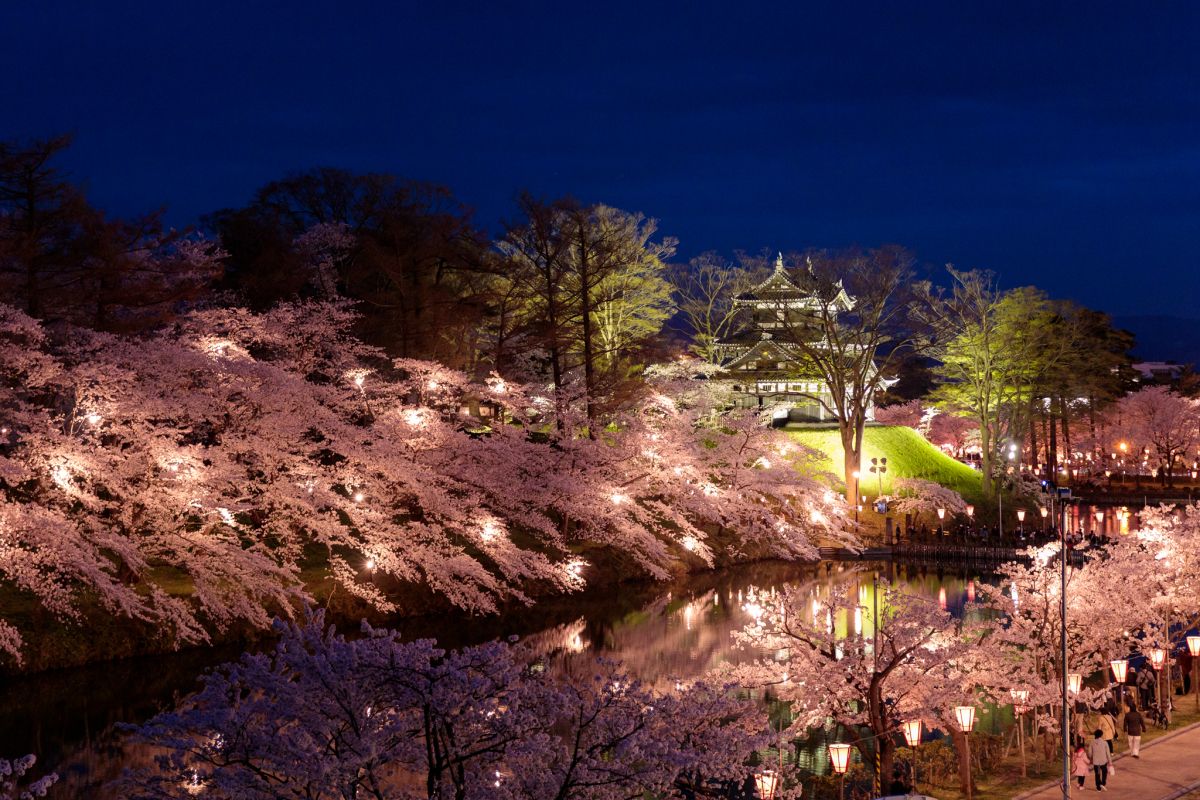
(14, 772)
(834, 660)
(233, 451)
(322, 717)
(918, 496)
(1162, 420)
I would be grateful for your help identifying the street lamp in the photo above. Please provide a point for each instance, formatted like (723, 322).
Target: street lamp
(767, 782)
(912, 732)
(1194, 649)
(1045, 512)
(912, 737)
(1120, 668)
(1099, 522)
(839, 755)
(965, 716)
(1021, 520)
(1074, 682)
(1158, 657)
(941, 512)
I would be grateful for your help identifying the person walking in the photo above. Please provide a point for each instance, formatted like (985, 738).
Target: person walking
(1135, 726)
(1108, 728)
(1101, 757)
(1081, 765)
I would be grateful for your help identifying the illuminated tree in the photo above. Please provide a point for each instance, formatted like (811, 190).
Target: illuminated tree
(864, 314)
(235, 450)
(704, 293)
(321, 717)
(1162, 420)
(832, 661)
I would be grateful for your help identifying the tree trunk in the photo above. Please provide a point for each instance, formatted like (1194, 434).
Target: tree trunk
(1052, 456)
(1064, 410)
(1033, 438)
(585, 310)
(965, 783)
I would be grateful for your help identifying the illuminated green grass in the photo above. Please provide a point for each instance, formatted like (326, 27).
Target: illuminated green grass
(908, 453)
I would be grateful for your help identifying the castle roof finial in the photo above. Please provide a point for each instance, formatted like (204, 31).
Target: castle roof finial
(779, 262)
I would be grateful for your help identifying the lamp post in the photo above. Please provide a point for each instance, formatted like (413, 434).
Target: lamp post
(1193, 643)
(1021, 521)
(1158, 657)
(941, 512)
(1020, 696)
(879, 466)
(1072, 681)
(1120, 668)
(839, 755)
(1045, 512)
(1099, 522)
(912, 737)
(965, 716)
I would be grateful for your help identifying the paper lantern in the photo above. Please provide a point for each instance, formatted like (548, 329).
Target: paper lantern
(965, 715)
(1120, 668)
(1194, 645)
(1157, 657)
(839, 755)
(767, 783)
(912, 732)
(1074, 682)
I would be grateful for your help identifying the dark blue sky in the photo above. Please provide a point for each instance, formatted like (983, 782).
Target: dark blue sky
(1058, 144)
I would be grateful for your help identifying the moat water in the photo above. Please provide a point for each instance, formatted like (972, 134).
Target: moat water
(71, 718)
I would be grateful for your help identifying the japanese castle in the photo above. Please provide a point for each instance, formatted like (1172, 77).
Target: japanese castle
(766, 368)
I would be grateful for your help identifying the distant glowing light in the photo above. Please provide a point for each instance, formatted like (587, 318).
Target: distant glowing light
(227, 516)
(817, 517)
(359, 497)
(618, 498)
(690, 543)
(370, 564)
(414, 417)
(94, 418)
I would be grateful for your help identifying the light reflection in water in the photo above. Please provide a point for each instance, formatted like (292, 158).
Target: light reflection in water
(667, 636)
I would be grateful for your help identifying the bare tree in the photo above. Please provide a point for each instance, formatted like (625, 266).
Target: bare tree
(863, 313)
(704, 292)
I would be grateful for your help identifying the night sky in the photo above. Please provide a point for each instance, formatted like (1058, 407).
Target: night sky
(1058, 146)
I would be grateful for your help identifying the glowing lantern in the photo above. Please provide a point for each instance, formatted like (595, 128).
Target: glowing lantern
(766, 782)
(839, 755)
(1120, 668)
(1157, 657)
(1099, 516)
(1020, 515)
(912, 732)
(1074, 682)
(970, 511)
(941, 513)
(1045, 512)
(965, 716)
(1194, 646)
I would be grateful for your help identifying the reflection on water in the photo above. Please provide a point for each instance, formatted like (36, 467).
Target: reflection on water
(662, 634)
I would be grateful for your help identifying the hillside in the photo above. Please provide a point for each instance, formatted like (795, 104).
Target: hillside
(908, 453)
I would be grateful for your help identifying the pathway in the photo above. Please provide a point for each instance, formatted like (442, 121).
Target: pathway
(1169, 768)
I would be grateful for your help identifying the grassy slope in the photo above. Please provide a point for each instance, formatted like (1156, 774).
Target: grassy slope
(909, 455)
